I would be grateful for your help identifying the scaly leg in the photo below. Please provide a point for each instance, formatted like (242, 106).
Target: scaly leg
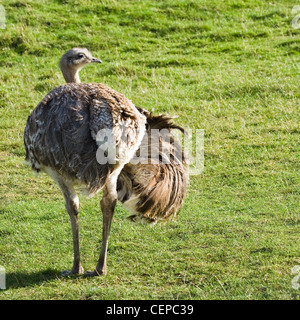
(108, 203)
(72, 206)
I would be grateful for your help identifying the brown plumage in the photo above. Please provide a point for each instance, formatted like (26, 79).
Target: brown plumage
(155, 191)
(62, 139)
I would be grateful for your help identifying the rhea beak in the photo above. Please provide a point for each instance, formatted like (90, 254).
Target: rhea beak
(96, 60)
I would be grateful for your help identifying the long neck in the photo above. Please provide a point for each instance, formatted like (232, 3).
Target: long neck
(71, 75)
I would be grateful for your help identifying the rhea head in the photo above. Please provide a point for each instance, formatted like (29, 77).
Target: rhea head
(72, 62)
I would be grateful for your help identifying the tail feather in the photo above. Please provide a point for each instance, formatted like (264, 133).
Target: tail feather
(155, 191)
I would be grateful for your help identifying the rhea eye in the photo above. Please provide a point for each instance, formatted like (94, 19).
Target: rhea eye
(80, 55)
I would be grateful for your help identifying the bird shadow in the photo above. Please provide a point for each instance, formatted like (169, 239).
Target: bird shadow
(21, 279)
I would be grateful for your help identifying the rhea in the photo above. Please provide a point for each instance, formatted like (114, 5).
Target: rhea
(64, 138)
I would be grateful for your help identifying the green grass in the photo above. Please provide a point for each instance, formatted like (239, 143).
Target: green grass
(228, 67)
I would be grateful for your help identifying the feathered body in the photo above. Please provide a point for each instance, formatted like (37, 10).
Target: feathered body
(61, 134)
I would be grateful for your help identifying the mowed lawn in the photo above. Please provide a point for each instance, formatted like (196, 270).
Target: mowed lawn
(230, 68)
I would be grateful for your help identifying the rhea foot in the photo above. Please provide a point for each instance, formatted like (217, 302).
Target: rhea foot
(94, 273)
(73, 272)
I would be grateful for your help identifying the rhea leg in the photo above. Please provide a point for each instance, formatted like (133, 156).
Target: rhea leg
(72, 206)
(108, 203)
